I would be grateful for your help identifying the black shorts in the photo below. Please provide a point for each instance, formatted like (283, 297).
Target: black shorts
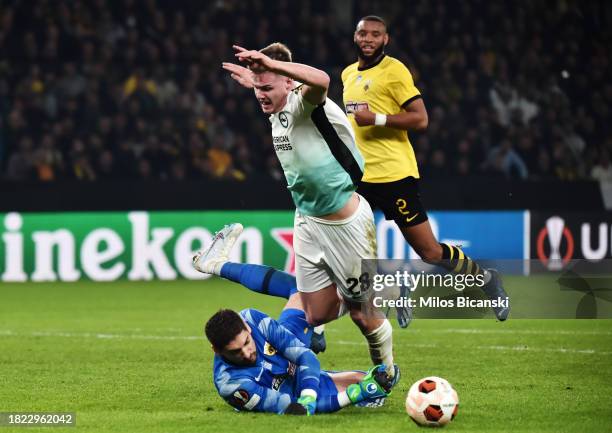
(400, 200)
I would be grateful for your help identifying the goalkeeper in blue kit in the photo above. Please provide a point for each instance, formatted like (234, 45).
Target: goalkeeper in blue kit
(266, 365)
(261, 366)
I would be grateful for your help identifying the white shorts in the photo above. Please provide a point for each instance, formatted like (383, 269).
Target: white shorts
(329, 252)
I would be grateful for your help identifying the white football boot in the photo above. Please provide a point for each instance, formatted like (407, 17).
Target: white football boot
(212, 259)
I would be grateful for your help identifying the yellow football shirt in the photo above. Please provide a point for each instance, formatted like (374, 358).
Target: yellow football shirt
(382, 88)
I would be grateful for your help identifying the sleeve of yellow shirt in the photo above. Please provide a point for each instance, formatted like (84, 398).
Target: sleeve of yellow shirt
(343, 74)
(401, 84)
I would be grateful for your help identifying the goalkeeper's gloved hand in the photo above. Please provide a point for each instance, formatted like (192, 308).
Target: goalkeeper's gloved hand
(295, 408)
(305, 405)
(309, 402)
(375, 384)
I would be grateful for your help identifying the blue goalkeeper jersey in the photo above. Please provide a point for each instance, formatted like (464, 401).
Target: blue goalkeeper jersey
(284, 367)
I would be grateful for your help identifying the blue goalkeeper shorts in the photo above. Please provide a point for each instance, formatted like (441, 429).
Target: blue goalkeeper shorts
(326, 384)
(294, 321)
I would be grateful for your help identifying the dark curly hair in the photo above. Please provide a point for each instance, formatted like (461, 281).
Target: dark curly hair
(223, 327)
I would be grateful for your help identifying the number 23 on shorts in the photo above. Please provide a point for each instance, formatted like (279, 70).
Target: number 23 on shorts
(356, 286)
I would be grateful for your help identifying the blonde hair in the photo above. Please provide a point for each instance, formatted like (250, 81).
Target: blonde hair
(277, 51)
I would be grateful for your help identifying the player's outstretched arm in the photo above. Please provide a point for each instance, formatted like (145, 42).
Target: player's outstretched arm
(308, 367)
(316, 81)
(242, 75)
(372, 388)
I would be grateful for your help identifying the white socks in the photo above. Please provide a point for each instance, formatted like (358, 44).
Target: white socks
(380, 342)
(343, 399)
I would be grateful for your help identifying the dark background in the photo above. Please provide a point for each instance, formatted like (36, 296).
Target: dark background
(123, 104)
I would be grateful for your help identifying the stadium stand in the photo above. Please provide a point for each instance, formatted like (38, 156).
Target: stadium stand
(93, 90)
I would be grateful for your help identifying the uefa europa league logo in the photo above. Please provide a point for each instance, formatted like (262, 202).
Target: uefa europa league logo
(555, 231)
(554, 226)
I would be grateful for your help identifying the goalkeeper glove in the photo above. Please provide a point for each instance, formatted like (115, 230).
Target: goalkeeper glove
(375, 384)
(309, 402)
(305, 405)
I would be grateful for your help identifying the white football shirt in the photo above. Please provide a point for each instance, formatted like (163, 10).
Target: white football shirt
(316, 147)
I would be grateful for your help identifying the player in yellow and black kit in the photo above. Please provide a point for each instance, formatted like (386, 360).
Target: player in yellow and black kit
(383, 104)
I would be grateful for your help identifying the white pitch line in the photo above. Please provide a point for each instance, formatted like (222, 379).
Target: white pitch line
(100, 335)
(501, 348)
(103, 336)
(551, 350)
(515, 331)
(495, 331)
(363, 343)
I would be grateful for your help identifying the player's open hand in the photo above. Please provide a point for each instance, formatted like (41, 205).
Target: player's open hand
(255, 60)
(242, 75)
(365, 117)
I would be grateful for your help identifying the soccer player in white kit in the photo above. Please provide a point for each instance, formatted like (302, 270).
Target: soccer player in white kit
(334, 226)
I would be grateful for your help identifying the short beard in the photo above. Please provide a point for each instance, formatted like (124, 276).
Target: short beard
(241, 363)
(375, 55)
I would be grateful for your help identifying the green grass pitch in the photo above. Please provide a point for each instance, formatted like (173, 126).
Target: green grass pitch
(130, 357)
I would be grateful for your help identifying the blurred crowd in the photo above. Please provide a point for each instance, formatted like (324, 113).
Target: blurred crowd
(134, 89)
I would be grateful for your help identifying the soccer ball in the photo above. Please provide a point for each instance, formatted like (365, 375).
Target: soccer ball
(432, 402)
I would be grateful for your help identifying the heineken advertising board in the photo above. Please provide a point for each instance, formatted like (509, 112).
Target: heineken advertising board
(141, 245)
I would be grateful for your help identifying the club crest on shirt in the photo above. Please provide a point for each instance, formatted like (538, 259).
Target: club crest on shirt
(269, 350)
(366, 85)
(284, 119)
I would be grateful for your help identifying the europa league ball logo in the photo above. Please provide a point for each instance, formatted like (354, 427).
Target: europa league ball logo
(556, 231)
